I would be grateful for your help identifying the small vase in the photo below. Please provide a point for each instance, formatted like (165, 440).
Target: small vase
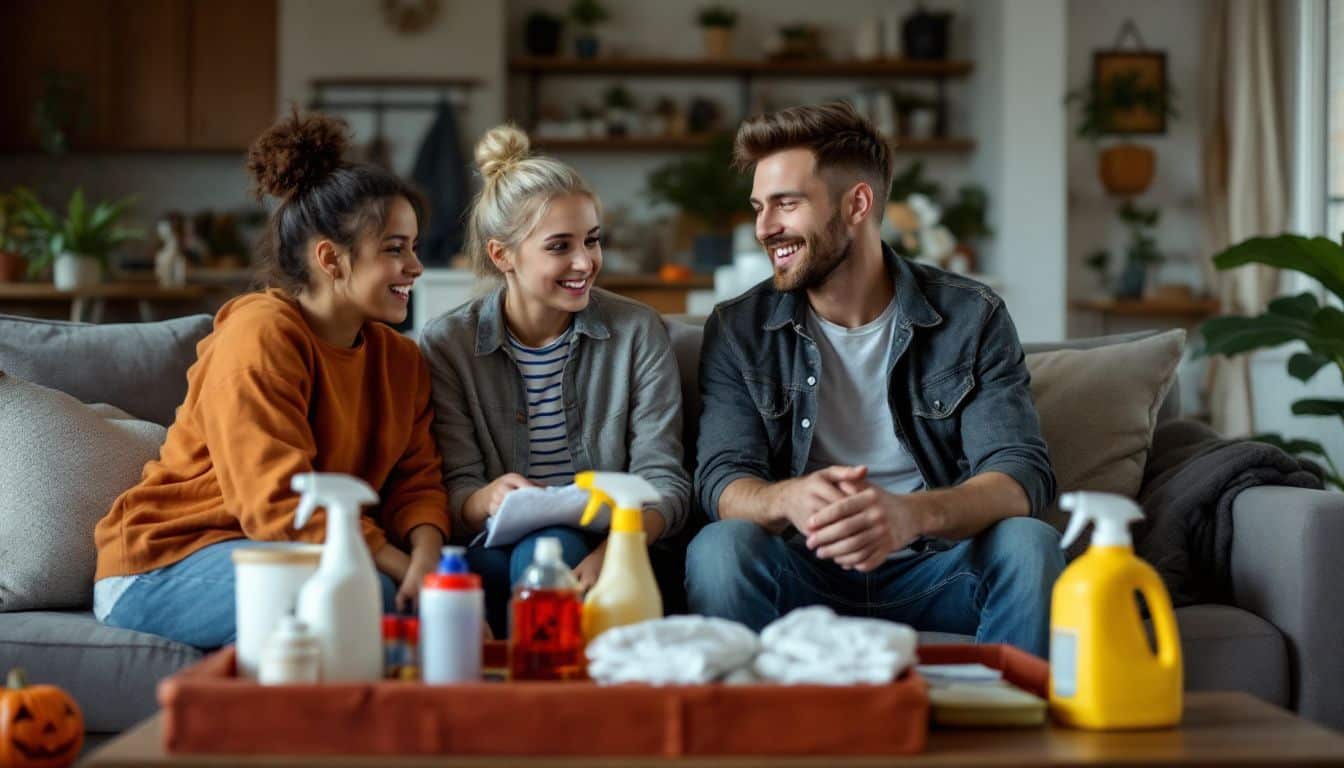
(585, 46)
(72, 272)
(1132, 280)
(718, 42)
(542, 36)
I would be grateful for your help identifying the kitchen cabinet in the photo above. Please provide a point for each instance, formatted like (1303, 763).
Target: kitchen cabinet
(158, 75)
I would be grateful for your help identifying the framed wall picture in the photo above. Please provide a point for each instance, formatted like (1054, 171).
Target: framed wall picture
(1134, 84)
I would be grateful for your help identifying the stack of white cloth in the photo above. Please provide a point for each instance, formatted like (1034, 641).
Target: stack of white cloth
(677, 650)
(815, 646)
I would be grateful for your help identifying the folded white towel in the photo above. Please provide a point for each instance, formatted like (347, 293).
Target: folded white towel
(682, 650)
(814, 645)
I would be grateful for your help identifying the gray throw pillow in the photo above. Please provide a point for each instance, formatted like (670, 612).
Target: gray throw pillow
(1098, 409)
(140, 368)
(62, 464)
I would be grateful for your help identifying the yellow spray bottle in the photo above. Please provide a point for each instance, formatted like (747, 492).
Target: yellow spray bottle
(1103, 673)
(625, 592)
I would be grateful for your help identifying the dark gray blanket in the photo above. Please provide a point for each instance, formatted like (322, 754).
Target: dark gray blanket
(1193, 475)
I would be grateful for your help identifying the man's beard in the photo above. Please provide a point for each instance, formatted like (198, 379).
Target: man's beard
(825, 251)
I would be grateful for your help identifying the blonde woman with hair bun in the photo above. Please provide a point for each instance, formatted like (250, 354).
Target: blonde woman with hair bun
(546, 375)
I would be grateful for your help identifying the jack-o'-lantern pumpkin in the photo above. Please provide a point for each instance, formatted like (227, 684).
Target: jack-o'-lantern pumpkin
(40, 725)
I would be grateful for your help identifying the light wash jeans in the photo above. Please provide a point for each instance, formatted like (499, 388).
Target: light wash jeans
(995, 586)
(191, 601)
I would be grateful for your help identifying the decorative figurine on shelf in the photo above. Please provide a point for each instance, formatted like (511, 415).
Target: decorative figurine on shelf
(170, 265)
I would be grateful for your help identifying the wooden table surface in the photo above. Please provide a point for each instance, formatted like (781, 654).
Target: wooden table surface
(1218, 729)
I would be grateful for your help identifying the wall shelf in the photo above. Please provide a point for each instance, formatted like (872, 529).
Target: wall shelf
(686, 143)
(532, 69)
(885, 68)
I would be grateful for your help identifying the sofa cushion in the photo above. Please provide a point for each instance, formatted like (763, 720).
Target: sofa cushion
(1098, 408)
(111, 672)
(1228, 649)
(62, 464)
(140, 368)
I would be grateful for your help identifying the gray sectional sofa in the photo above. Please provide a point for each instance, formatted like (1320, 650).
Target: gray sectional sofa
(1282, 640)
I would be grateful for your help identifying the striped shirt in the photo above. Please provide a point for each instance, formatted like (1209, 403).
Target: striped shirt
(543, 370)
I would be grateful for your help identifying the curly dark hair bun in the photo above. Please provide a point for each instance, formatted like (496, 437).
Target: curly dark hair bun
(296, 153)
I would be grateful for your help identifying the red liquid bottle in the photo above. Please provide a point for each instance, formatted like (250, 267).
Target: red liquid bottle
(546, 630)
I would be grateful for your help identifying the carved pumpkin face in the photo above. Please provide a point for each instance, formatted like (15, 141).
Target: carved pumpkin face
(40, 726)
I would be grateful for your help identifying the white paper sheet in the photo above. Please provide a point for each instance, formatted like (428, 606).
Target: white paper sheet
(530, 509)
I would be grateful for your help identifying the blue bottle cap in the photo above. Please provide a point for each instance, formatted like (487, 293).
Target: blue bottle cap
(454, 560)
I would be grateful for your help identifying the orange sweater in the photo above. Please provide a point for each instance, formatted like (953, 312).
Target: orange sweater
(266, 399)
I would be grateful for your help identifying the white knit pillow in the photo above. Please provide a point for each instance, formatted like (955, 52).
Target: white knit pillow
(62, 464)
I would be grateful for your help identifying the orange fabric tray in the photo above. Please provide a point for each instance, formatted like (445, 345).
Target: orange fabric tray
(207, 709)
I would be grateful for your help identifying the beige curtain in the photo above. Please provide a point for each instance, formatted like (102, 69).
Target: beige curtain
(1244, 187)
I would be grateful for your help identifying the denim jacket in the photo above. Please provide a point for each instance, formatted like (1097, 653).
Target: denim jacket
(958, 387)
(622, 399)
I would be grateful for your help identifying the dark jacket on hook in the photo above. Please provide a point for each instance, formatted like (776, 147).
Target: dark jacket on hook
(441, 172)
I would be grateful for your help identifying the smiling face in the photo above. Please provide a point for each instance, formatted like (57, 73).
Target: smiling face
(379, 277)
(554, 266)
(798, 220)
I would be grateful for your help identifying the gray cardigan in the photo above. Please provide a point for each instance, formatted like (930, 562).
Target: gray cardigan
(622, 399)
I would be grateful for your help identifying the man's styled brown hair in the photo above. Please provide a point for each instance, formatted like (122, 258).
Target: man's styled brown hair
(844, 143)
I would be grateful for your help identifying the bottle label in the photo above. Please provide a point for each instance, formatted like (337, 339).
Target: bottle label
(1064, 662)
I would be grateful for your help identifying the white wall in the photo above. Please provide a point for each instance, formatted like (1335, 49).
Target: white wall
(328, 38)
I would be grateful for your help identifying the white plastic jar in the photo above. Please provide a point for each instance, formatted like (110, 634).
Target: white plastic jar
(452, 617)
(267, 580)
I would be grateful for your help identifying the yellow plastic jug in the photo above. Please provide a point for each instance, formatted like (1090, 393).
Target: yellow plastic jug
(1104, 674)
(626, 591)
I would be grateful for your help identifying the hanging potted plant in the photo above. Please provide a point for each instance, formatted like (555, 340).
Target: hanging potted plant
(706, 187)
(77, 246)
(1126, 168)
(717, 22)
(588, 15)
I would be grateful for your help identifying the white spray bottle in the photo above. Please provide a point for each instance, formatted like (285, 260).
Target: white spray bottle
(342, 603)
(626, 591)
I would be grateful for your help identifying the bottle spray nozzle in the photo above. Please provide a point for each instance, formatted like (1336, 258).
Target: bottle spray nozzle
(329, 489)
(1111, 512)
(626, 494)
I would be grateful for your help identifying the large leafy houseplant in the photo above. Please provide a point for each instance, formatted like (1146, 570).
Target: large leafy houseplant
(703, 184)
(1299, 319)
(84, 230)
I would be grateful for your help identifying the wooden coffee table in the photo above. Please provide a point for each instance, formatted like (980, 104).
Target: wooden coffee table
(1218, 729)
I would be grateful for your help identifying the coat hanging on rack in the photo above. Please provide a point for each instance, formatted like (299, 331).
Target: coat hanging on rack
(441, 172)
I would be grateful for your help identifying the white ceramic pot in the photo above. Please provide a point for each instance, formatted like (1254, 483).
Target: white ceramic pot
(267, 580)
(73, 271)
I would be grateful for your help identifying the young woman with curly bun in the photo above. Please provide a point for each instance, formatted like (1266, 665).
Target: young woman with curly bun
(304, 376)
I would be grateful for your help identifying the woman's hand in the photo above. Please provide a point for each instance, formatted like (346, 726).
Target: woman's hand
(426, 543)
(590, 567)
(485, 502)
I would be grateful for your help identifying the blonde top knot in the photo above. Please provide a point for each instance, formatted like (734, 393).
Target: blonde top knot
(500, 150)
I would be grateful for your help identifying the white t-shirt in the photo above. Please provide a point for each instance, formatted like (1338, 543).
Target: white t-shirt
(854, 422)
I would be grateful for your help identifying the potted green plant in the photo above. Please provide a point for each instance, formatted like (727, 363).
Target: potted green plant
(620, 110)
(587, 14)
(12, 263)
(1297, 319)
(704, 185)
(1099, 261)
(541, 33)
(76, 246)
(717, 22)
(1126, 169)
(967, 218)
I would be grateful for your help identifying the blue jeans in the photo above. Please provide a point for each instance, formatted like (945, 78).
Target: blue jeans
(995, 586)
(191, 601)
(501, 567)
